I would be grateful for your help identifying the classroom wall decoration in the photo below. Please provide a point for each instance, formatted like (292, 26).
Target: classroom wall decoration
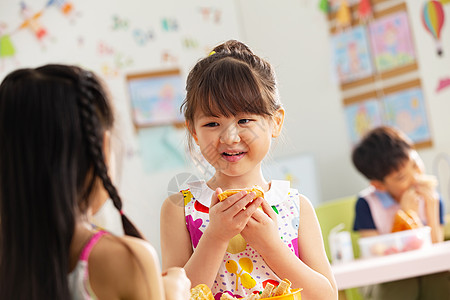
(351, 54)
(381, 86)
(392, 46)
(142, 48)
(156, 97)
(433, 18)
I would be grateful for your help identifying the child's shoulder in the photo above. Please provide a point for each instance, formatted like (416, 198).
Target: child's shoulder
(122, 263)
(119, 252)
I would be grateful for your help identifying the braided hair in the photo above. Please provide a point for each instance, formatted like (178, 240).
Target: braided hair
(90, 89)
(52, 122)
(231, 80)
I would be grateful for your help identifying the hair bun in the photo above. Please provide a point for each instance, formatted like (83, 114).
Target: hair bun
(233, 46)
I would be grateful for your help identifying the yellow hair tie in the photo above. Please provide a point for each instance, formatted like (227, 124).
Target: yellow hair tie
(211, 53)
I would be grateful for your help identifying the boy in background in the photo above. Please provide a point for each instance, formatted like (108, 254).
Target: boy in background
(386, 157)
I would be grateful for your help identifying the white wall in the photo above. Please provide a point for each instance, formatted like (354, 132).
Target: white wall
(294, 36)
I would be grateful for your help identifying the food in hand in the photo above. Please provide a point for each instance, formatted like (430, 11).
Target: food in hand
(201, 292)
(283, 288)
(257, 189)
(406, 220)
(427, 180)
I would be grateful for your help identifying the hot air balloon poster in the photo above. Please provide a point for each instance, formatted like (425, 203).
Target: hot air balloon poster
(392, 44)
(351, 56)
(406, 111)
(433, 19)
(361, 117)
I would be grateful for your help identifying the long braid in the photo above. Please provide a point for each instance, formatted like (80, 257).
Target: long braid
(92, 128)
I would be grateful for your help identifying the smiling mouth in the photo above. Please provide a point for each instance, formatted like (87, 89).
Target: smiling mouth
(232, 154)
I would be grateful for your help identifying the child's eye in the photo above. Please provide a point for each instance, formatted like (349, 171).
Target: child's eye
(211, 124)
(244, 121)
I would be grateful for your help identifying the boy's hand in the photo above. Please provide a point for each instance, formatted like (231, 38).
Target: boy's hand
(410, 200)
(431, 198)
(229, 217)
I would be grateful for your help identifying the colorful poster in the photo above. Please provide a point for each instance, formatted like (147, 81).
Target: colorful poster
(351, 57)
(156, 98)
(362, 117)
(406, 111)
(392, 44)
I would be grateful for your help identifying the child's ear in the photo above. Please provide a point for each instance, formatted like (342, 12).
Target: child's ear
(278, 120)
(379, 185)
(192, 131)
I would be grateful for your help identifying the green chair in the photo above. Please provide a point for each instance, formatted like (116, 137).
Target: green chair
(333, 213)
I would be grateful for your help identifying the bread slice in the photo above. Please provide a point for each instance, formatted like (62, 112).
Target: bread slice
(257, 189)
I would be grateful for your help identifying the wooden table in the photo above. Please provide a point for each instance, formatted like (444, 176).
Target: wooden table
(362, 272)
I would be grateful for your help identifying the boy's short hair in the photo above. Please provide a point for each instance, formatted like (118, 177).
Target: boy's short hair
(381, 151)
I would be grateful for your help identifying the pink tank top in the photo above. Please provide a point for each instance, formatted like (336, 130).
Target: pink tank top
(78, 279)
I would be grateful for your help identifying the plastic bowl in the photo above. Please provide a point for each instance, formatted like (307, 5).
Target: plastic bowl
(396, 242)
(294, 295)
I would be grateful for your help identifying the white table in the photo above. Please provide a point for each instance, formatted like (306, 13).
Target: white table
(362, 272)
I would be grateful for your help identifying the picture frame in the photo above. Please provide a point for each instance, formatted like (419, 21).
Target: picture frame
(156, 97)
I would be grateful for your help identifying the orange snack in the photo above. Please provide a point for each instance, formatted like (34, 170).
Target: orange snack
(406, 220)
(201, 292)
(257, 189)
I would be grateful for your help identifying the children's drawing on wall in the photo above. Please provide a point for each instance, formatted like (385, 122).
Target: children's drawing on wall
(32, 22)
(156, 98)
(161, 148)
(433, 17)
(351, 55)
(362, 117)
(7, 49)
(66, 8)
(392, 45)
(406, 111)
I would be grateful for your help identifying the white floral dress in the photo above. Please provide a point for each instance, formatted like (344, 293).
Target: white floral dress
(243, 270)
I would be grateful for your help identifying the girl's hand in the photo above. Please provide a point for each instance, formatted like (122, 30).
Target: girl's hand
(229, 217)
(261, 231)
(410, 200)
(176, 284)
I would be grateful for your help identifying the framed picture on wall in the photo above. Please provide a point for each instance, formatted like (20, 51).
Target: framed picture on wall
(391, 41)
(406, 111)
(362, 117)
(156, 98)
(351, 56)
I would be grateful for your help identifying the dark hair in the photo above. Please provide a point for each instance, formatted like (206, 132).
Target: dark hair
(52, 121)
(381, 151)
(231, 80)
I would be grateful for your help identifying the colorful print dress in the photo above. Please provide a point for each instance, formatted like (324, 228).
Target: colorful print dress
(243, 270)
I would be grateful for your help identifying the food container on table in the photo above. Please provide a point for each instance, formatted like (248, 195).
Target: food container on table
(396, 242)
(295, 294)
